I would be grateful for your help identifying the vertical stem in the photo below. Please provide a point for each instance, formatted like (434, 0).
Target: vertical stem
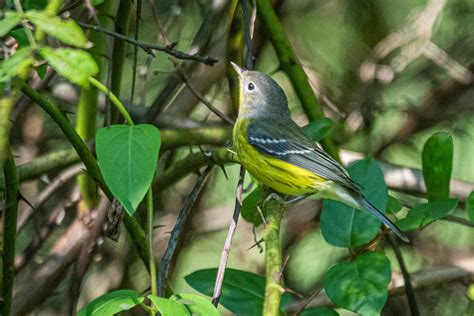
(149, 206)
(273, 261)
(122, 19)
(291, 66)
(9, 231)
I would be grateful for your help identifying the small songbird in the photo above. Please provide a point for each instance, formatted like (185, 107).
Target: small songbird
(278, 153)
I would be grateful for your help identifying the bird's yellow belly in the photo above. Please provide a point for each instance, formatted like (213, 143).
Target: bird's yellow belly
(275, 173)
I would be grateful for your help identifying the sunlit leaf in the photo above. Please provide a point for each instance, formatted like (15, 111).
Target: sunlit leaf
(197, 305)
(112, 303)
(361, 285)
(242, 292)
(127, 157)
(437, 165)
(67, 31)
(423, 214)
(168, 307)
(16, 64)
(73, 64)
(8, 21)
(345, 226)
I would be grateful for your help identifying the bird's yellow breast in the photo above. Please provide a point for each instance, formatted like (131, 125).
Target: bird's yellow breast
(277, 174)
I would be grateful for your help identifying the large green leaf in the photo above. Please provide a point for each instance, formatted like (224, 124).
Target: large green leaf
(242, 292)
(67, 31)
(9, 20)
(197, 305)
(345, 226)
(423, 214)
(112, 303)
(437, 165)
(127, 157)
(249, 210)
(168, 307)
(470, 206)
(73, 64)
(16, 64)
(361, 285)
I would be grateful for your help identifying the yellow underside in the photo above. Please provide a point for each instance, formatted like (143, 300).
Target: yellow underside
(273, 172)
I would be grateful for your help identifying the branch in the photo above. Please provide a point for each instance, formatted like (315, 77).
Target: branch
(175, 237)
(274, 207)
(9, 230)
(149, 48)
(228, 241)
(290, 65)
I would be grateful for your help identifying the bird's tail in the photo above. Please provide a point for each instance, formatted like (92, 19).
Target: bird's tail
(381, 216)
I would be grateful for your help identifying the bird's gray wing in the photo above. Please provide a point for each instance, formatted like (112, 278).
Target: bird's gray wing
(293, 146)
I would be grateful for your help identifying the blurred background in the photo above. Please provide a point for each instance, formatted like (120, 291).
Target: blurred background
(388, 73)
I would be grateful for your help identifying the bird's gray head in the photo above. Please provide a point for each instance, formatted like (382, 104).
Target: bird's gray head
(259, 95)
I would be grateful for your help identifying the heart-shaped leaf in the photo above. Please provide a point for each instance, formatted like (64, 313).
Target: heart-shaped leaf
(423, 214)
(127, 157)
(242, 292)
(73, 64)
(437, 165)
(9, 20)
(197, 305)
(168, 307)
(345, 226)
(361, 285)
(112, 303)
(67, 31)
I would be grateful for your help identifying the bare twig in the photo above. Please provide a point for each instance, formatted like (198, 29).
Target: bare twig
(175, 237)
(459, 220)
(410, 293)
(228, 242)
(149, 48)
(199, 96)
(135, 49)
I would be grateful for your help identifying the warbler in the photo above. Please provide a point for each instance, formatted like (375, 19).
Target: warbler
(279, 154)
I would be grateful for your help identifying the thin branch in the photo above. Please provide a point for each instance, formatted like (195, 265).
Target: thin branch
(149, 48)
(135, 49)
(199, 96)
(248, 37)
(459, 220)
(410, 293)
(175, 237)
(228, 242)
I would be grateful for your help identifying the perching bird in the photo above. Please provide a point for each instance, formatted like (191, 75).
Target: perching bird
(278, 153)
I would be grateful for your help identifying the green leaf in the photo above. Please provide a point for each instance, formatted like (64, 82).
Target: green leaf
(345, 226)
(196, 304)
(242, 292)
(127, 157)
(437, 165)
(470, 206)
(168, 307)
(319, 129)
(9, 20)
(20, 36)
(319, 311)
(67, 31)
(423, 214)
(17, 64)
(97, 2)
(249, 210)
(74, 64)
(112, 303)
(393, 205)
(361, 285)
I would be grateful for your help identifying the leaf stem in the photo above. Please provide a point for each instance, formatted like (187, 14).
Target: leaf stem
(120, 107)
(273, 262)
(149, 207)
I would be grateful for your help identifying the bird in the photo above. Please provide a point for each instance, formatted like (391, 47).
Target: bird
(278, 153)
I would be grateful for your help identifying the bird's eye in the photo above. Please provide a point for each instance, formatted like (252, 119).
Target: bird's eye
(250, 86)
